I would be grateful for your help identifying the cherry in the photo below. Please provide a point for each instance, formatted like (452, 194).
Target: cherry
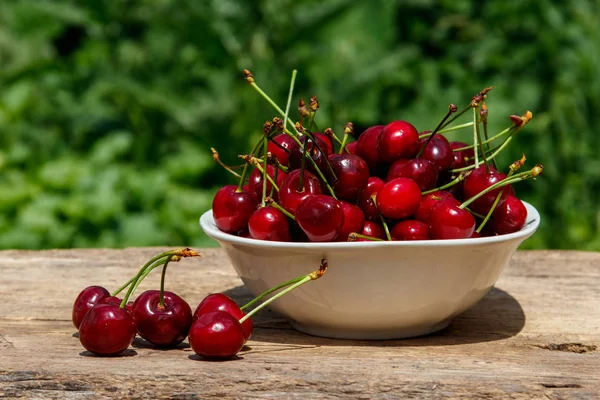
(107, 330)
(285, 142)
(88, 298)
(255, 181)
(428, 202)
(321, 217)
(410, 229)
(116, 301)
(399, 198)
(351, 147)
(373, 229)
(327, 140)
(448, 221)
(366, 146)
(462, 158)
(352, 175)
(216, 335)
(420, 170)
(479, 180)
(268, 223)
(364, 198)
(166, 325)
(290, 197)
(222, 302)
(509, 217)
(232, 209)
(399, 139)
(318, 154)
(354, 220)
(438, 151)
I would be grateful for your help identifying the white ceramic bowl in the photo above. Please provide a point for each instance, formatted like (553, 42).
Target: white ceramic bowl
(374, 290)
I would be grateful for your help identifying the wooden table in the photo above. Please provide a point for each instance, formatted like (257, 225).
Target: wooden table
(537, 335)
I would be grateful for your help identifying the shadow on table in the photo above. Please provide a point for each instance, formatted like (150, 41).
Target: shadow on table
(495, 317)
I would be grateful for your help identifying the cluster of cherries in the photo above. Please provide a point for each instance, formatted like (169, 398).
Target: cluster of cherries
(218, 328)
(392, 183)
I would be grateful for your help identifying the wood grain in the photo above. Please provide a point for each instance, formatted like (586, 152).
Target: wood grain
(536, 335)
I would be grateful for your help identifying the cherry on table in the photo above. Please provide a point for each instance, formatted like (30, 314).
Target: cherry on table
(399, 139)
(87, 298)
(269, 223)
(509, 217)
(232, 209)
(165, 326)
(289, 195)
(216, 335)
(107, 330)
(423, 172)
(399, 198)
(321, 217)
(221, 302)
(354, 220)
(352, 175)
(410, 229)
(448, 221)
(365, 202)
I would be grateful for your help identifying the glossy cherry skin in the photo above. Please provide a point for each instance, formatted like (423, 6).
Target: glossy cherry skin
(221, 302)
(439, 152)
(87, 298)
(399, 139)
(448, 221)
(290, 197)
(428, 202)
(399, 198)
(354, 220)
(116, 301)
(351, 147)
(255, 181)
(268, 223)
(509, 217)
(327, 140)
(366, 146)
(216, 335)
(364, 198)
(321, 217)
(479, 180)
(462, 158)
(352, 174)
(232, 209)
(410, 229)
(422, 171)
(285, 142)
(373, 229)
(318, 153)
(163, 326)
(107, 330)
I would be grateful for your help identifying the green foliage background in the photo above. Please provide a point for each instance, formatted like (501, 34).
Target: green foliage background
(108, 108)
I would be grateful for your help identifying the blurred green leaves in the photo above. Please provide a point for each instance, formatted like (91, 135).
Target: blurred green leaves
(108, 108)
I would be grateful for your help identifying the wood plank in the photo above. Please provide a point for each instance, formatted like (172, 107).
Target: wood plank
(537, 335)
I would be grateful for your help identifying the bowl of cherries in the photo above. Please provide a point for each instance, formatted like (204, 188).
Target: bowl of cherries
(416, 228)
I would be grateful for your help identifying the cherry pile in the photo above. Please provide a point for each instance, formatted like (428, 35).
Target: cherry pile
(218, 328)
(392, 183)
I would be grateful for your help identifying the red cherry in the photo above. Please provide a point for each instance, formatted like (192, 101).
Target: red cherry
(479, 180)
(399, 198)
(163, 326)
(352, 175)
(116, 301)
(88, 298)
(428, 202)
(438, 151)
(268, 223)
(281, 152)
(107, 330)
(422, 171)
(366, 146)
(399, 139)
(232, 209)
(462, 158)
(448, 221)
(290, 197)
(373, 229)
(354, 220)
(510, 216)
(216, 335)
(410, 229)
(327, 140)
(321, 217)
(255, 181)
(364, 198)
(222, 302)
(351, 147)
(318, 154)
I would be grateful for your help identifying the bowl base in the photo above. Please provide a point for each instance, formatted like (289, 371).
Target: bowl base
(388, 334)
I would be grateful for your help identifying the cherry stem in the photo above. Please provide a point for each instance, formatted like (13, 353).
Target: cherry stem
(215, 154)
(451, 110)
(451, 120)
(489, 214)
(456, 180)
(268, 292)
(475, 142)
(487, 141)
(310, 277)
(354, 235)
(454, 128)
(343, 145)
(155, 265)
(245, 171)
(256, 162)
(491, 156)
(385, 227)
(264, 172)
(270, 202)
(147, 271)
(289, 100)
(273, 185)
(302, 169)
(478, 136)
(161, 303)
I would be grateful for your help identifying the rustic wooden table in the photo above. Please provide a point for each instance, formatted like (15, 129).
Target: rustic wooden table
(536, 335)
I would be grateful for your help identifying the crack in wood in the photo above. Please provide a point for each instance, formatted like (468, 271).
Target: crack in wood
(578, 348)
(561, 385)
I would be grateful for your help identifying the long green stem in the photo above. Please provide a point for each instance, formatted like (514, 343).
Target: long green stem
(454, 128)
(162, 282)
(119, 290)
(289, 100)
(490, 157)
(354, 235)
(268, 292)
(459, 178)
(245, 171)
(448, 122)
(265, 172)
(496, 136)
(147, 271)
(475, 143)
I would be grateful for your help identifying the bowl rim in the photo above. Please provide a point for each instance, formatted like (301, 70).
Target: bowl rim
(532, 222)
